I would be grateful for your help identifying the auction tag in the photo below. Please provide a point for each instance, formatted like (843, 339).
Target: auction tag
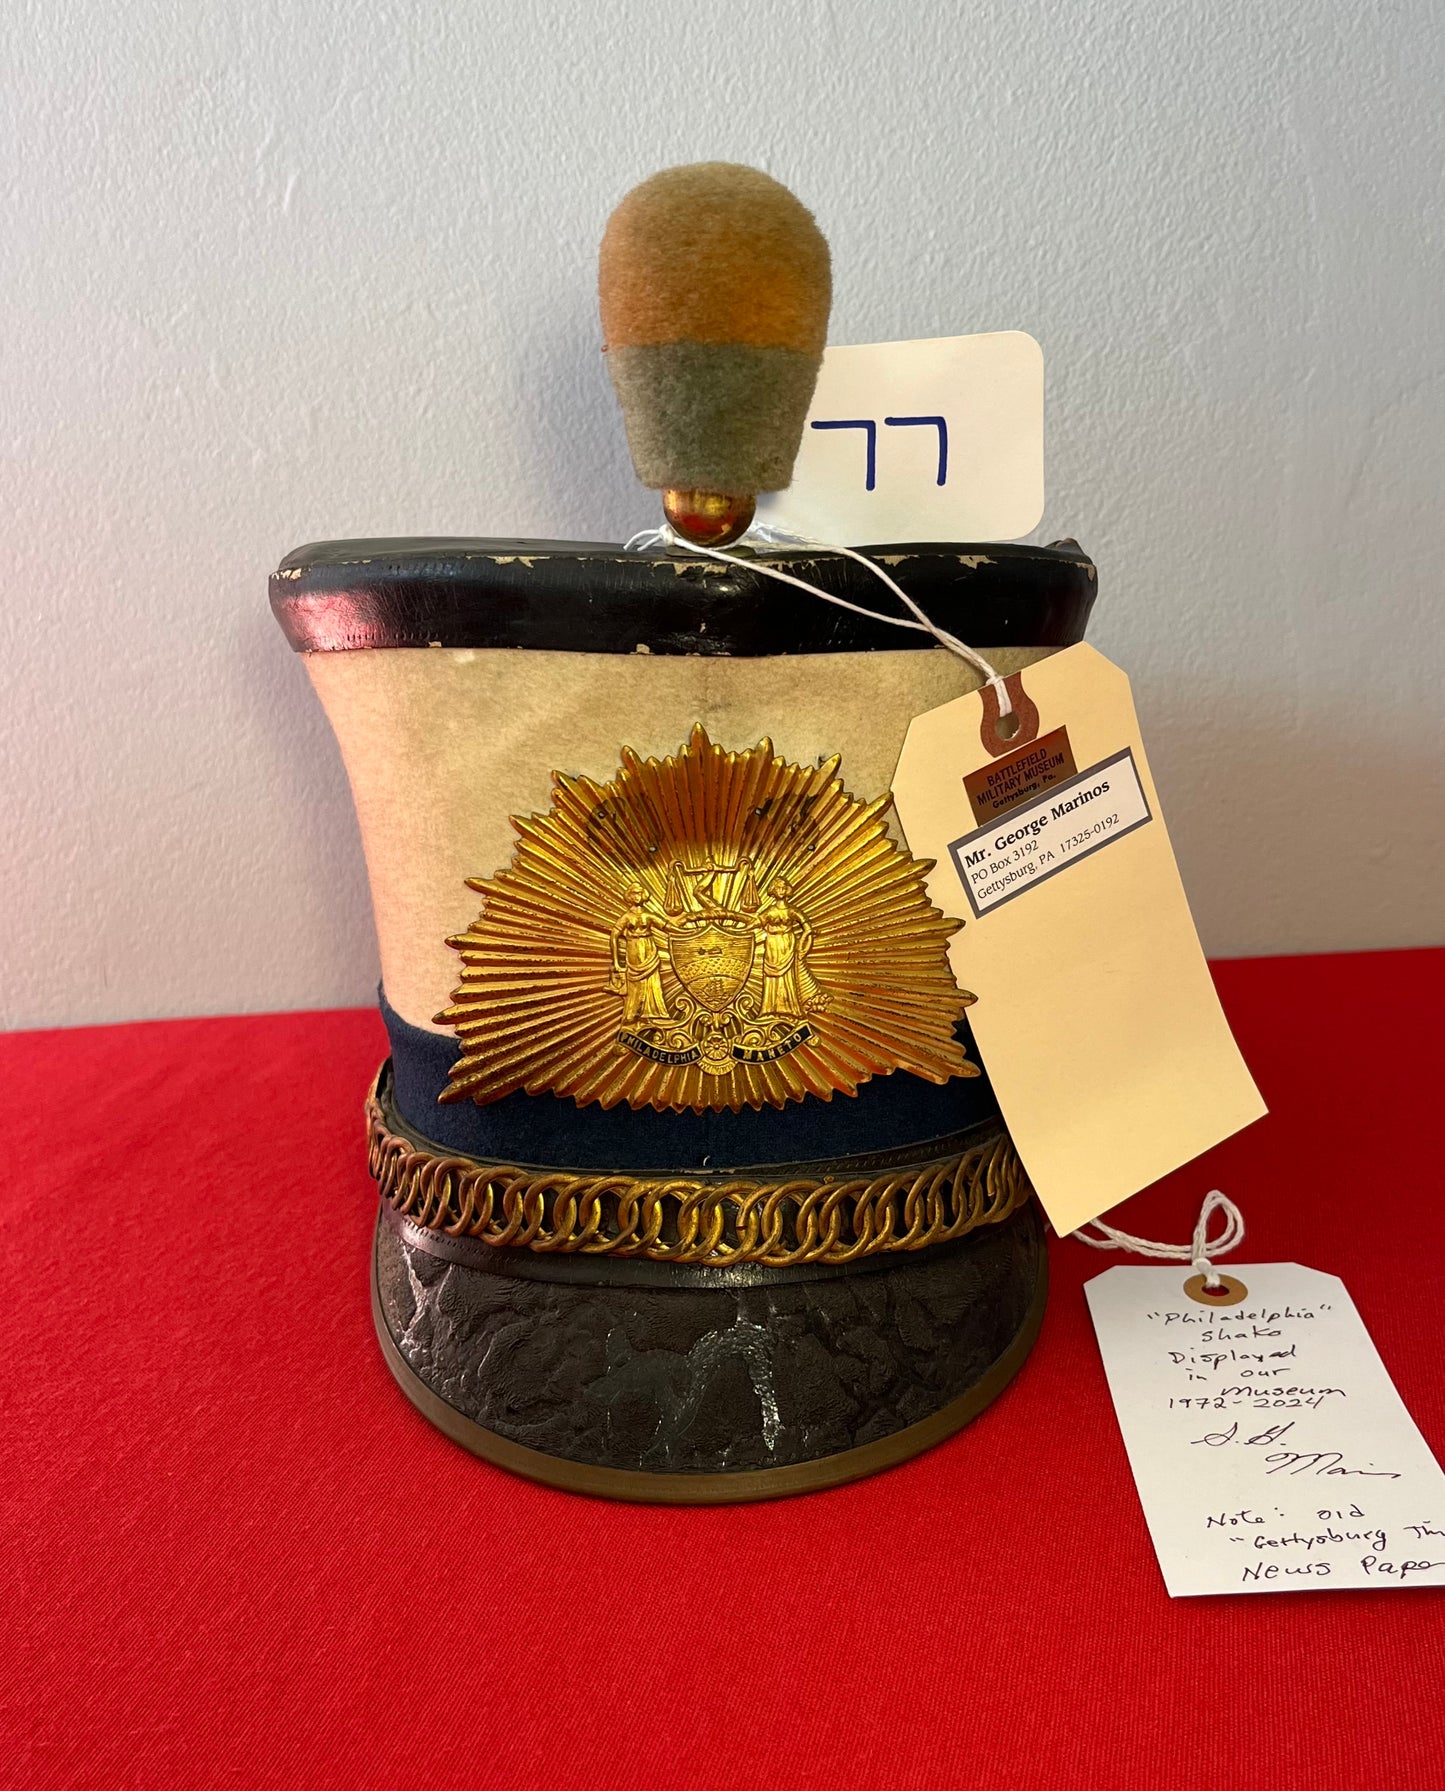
(1096, 1016)
(1269, 1446)
(939, 440)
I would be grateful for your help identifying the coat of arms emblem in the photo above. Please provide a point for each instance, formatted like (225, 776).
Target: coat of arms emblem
(714, 929)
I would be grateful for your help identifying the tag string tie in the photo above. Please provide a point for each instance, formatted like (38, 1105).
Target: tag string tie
(1197, 1252)
(766, 536)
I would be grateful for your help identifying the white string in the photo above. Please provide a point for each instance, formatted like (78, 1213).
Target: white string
(769, 536)
(1197, 1252)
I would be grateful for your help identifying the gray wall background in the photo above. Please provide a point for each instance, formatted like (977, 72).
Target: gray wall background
(277, 272)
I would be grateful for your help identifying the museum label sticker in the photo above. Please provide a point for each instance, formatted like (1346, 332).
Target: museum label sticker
(1096, 1016)
(1269, 1446)
(995, 788)
(936, 440)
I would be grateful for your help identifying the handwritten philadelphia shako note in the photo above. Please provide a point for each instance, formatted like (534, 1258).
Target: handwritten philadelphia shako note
(1269, 1446)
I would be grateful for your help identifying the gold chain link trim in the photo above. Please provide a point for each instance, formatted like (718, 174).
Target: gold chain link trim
(696, 1222)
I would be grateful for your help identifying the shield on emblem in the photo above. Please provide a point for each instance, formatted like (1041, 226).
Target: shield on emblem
(712, 961)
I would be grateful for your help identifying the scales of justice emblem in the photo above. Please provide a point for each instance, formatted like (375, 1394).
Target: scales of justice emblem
(709, 930)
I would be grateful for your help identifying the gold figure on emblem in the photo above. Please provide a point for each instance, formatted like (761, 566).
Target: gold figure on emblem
(788, 987)
(637, 947)
(715, 929)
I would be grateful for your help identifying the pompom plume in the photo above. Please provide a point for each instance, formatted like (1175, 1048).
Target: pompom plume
(715, 286)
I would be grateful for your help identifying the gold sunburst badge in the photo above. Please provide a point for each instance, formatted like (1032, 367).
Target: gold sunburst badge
(713, 930)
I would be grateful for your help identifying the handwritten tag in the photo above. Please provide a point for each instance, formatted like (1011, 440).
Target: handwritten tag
(939, 440)
(1096, 1015)
(1269, 1446)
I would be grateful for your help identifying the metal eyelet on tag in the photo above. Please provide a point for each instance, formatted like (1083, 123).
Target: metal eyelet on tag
(1229, 1294)
(1025, 715)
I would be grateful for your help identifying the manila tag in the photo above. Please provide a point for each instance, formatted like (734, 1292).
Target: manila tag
(1270, 1448)
(1096, 1017)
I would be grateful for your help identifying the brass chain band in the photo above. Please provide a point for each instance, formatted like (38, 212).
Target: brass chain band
(712, 1223)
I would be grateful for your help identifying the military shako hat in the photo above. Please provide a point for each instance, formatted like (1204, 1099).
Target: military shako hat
(692, 1184)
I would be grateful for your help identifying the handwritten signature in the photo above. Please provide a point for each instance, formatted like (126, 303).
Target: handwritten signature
(1290, 1461)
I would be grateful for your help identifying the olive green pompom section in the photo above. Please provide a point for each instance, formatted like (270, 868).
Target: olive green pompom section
(715, 286)
(701, 417)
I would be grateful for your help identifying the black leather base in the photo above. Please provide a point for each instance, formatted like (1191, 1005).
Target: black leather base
(711, 1394)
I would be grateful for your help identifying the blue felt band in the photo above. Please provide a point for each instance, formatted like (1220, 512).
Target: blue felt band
(886, 1113)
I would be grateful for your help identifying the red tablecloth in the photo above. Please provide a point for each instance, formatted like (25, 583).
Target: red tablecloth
(234, 1555)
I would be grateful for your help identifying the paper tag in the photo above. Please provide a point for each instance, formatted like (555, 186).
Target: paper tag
(939, 440)
(1269, 1446)
(1096, 1015)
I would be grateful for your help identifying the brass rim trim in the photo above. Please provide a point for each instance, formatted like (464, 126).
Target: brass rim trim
(675, 1219)
(749, 1486)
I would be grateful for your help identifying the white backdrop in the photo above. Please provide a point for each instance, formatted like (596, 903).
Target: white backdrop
(275, 272)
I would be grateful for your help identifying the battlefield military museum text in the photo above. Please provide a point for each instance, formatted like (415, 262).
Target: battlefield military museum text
(1037, 839)
(1005, 783)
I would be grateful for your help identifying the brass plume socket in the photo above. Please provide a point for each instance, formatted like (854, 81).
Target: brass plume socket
(708, 518)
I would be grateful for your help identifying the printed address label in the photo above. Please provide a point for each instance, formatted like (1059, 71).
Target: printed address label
(1039, 839)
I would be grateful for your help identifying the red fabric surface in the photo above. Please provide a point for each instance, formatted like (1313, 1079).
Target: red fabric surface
(234, 1555)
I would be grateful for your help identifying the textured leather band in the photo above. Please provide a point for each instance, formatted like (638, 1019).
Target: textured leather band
(732, 1485)
(825, 1220)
